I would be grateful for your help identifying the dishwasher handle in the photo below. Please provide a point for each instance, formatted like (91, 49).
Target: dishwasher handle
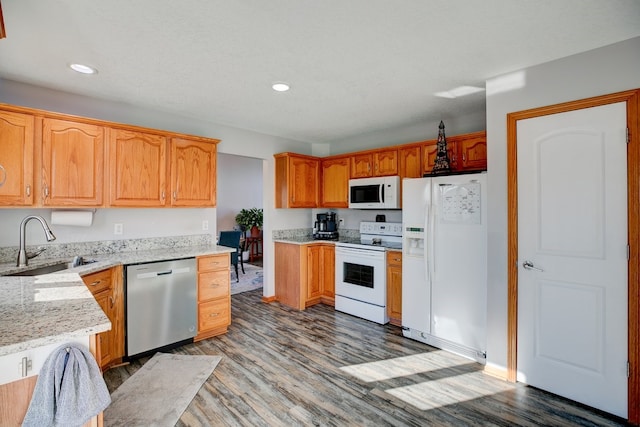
(164, 273)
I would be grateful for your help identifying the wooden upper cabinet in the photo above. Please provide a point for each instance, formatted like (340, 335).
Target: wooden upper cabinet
(361, 165)
(335, 183)
(385, 163)
(297, 180)
(193, 173)
(430, 151)
(16, 159)
(376, 163)
(472, 152)
(72, 163)
(410, 162)
(137, 168)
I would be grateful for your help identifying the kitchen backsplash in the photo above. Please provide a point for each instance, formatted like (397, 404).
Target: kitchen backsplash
(307, 232)
(9, 254)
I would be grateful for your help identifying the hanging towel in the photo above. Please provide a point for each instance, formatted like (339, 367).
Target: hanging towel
(69, 390)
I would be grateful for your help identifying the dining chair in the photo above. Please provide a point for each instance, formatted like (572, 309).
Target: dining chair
(231, 239)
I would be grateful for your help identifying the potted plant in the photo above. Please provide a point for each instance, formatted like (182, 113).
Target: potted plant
(250, 219)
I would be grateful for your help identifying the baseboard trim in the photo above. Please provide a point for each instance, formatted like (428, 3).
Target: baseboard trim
(496, 371)
(270, 299)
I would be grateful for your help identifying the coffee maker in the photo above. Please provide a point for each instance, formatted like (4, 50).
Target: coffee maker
(325, 227)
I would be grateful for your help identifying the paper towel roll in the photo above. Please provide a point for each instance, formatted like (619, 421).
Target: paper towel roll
(78, 218)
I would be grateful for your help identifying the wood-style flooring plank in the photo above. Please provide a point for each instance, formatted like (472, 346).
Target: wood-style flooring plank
(283, 367)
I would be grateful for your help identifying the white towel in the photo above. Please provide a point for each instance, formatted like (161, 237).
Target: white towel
(69, 390)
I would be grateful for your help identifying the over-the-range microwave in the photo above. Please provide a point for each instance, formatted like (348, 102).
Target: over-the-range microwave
(375, 193)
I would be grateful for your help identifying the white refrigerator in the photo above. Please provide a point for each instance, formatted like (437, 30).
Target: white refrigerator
(444, 265)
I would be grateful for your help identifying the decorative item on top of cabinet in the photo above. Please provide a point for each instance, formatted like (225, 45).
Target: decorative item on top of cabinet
(334, 188)
(297, 180)
(214, 295)
(16, 159)
(138, 169)
(72, 163)
(107, 288)
(193, 173)
(394, 287)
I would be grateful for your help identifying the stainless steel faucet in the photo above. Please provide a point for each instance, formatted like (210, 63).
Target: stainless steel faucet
(22, 254)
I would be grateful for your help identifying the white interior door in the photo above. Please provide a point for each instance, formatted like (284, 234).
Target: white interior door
(572, 231)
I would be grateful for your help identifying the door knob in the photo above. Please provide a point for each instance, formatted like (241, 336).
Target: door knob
(529, 266)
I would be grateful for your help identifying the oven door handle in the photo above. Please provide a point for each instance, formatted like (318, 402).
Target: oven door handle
(362, 253)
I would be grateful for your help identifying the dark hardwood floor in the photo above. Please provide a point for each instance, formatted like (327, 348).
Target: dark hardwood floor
(282, 367)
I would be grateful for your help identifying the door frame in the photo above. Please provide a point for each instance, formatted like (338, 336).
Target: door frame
(632, 99)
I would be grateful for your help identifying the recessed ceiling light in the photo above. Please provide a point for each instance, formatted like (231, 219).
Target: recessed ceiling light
(280, 87)
(84, 69)
(459, 91)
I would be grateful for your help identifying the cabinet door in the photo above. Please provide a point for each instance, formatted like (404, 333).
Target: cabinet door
(430, 151)
(472, 153)
(72, 163)
(361, 166)
(303, 182)
(193, 173)
(314, 272)
(385, 163)
(335, 183)
(394, 287)
(328, 257)
(16, 159)
(410, 165)
(106, 339)
(138, 168)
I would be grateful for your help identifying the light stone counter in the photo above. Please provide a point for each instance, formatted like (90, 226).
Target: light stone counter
(57, 307)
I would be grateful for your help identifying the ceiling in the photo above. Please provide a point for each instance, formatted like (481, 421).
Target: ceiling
(354, 66)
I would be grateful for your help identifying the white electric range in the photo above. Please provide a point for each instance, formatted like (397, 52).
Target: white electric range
(361, 280)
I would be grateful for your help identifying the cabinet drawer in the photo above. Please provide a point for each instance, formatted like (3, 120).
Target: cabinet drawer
(99, 281)
(213, 284)
(213, 314)
(394, 258)
(213, 262)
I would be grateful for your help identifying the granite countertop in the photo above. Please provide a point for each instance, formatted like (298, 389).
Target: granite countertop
(50, 308)
(308, 240)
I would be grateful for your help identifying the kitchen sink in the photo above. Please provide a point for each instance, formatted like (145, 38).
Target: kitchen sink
(77, 261)
(42, 270)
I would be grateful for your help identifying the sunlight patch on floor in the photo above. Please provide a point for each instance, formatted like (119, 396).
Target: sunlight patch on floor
(404, 366)
(450, 390)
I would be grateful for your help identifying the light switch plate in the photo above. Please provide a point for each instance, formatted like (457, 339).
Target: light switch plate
(118, 229)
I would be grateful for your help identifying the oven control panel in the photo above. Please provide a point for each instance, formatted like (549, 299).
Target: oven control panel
(381, 228)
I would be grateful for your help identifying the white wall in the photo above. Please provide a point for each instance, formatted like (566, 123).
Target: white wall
(601, 71)
(464, 123)
(239, 186)
(165, 222)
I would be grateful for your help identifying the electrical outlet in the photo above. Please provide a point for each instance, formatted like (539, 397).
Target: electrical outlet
(117, 229)
(205, 225)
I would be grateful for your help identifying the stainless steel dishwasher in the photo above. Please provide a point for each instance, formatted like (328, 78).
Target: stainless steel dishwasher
(161, 304)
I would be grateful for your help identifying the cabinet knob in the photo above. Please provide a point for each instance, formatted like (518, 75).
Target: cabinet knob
(113, 302)
(175, 196)
(46, 191)
(96, 283)
(3, 178)
(28, 190)
(214, 314)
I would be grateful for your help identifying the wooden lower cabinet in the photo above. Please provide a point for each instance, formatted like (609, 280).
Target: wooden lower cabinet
(394, 287)
(108, 290)
(15, 397)
(214, 295)
(304, 274)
